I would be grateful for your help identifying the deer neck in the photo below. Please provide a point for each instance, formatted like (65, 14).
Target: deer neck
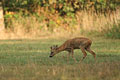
(61, 48)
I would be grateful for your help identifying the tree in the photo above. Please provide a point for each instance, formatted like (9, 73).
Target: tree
(2, 26)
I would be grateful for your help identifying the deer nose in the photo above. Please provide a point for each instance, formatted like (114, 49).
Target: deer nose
(50, 56)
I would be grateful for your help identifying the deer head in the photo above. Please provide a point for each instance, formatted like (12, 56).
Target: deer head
(53, 50)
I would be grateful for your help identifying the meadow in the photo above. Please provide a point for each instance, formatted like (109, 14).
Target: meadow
(28, 59)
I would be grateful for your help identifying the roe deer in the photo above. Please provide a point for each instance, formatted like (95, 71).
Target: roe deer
(71, 44)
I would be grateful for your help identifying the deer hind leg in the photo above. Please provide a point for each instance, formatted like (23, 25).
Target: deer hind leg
(90, 51)
(84, 53)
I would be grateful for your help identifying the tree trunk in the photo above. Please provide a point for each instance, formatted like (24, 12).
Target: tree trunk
(2, 25)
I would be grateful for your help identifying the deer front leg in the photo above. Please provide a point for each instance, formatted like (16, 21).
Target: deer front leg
(68, 56)
(73, 55)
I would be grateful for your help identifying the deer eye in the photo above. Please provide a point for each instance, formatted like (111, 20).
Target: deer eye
(52, 52)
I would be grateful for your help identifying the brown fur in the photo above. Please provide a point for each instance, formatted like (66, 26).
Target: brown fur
(76, 43)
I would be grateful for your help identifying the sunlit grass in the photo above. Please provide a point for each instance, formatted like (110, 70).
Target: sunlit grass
(29, 60)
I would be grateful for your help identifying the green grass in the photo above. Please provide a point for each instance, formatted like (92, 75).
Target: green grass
(29, 60)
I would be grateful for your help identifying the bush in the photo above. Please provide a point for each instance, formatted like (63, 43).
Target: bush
(58, 15)
(114, 32)
(61, 6)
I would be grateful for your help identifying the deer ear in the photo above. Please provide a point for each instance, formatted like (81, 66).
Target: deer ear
(56, 46)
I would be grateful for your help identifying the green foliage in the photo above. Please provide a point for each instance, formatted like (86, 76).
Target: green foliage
(114, 32)
(62, 6)
(9, 16)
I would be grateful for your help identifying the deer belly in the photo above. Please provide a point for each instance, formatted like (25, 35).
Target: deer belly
(75, 47)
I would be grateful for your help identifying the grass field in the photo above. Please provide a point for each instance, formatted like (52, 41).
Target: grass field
(29, 60)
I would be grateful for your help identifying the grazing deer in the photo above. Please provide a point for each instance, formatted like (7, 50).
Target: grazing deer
(76, 43)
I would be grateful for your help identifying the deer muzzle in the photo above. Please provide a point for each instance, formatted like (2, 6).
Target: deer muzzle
(50, 56)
